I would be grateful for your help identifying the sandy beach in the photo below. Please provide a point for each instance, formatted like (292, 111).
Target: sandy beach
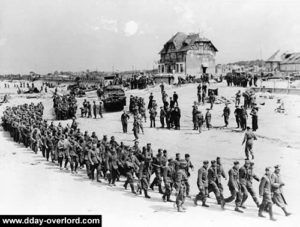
(30, 185)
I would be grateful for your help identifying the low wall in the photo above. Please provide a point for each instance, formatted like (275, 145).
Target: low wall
(292, 91)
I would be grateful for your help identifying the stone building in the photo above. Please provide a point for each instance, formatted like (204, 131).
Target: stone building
(187, 55)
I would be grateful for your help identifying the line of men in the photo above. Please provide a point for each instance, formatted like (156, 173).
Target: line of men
(241, 79)
(69, 146)
(87, 109)
(65, 106)
(240, 184)
(112, 160)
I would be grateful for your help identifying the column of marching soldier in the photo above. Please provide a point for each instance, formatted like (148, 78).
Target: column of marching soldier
(111, 160)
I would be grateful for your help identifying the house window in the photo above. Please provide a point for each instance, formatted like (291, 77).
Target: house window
(162, 68)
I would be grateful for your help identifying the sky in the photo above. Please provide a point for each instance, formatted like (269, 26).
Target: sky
(75, 35)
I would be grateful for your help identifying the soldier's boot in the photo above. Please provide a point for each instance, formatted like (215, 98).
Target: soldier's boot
(223, 204)
(285, 212)
(132, 188)
(125, 185)
(196, 200)
(160, 189)
(98, 177)
(271, 213)
(204, 203)
(260, 212)
(180, 209)
(146, 194)
(164, 197)
(168, 198)
(237, 209)
(219, 200)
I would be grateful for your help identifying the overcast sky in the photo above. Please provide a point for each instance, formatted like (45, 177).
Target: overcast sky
(49, 35)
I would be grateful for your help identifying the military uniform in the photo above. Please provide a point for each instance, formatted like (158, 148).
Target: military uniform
(249, 138)
(245, 176)
(265, 191)
(234, 187)
(202, 183)
(226, 114)
(180, 185)
(277, 191)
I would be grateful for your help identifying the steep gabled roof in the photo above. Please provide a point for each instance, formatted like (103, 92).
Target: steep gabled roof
(276, 57)
(183, 42)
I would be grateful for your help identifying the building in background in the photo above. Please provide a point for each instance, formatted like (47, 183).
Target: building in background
(284, 62)
(187, 55)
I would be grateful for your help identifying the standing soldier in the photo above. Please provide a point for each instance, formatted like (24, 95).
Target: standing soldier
(162, 87)
(177, 116)
(152, 113)
(238, 98)
(199, 93)
(124, 121)
(89, 108)
(237, 114)
(254, 118)
(202, 184)
(100, 109)
(208, 118)
(95, 109)
(168, 117)
(135, 129)
(162, 117)
(212, 99)
(249, 138)
(150, 101)
(277, 184)
(265, 192)
(175, 98)
(226, 114)
(234, 187)
(194, 114)
(244, 117)
(199, 120)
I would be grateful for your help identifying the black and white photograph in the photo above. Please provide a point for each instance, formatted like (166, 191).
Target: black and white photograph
(160, 113)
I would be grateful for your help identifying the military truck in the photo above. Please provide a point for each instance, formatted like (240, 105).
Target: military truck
(114, 98)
